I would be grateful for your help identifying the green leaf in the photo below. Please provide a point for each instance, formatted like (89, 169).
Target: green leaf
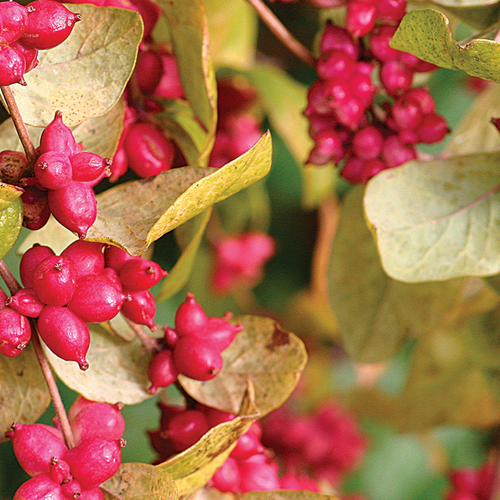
(99, 135)
(271, 358)
(11, 219)
(285, 100)
(179, 275)
(135, 481)
(426, 34)
(476, 133)
(135, 214)
(478, 14)
(23, 390)
(375, 312)
(8, 195)
(118, 369)
(84, 76)
(194, 467)
(437, 219)
(188, 25)
(233, 28)
(178, 119)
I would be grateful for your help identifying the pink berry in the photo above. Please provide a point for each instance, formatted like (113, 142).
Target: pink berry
(148, 151)
(53, 170)
(391, 10)
(335, 64)
(433, 128)
(88, 167)
(148, 70)
(74, 207)
(92, 494)
(35, 445)
(396, 153)
(141, 308)
(190, 317)
(337, 38)
(116, 257)
(59, 470)
(13, 66)
(71, 489)
(29, 55)
(15, 332)
(169, 86)
(406, 113)
(220, 333)
(350, 113)
(353, 170)
(140, 274)
(65, 334)
(360, 18)
(328, 147)
(49, 24)
(424, 99)
(58, 137)
(36, 211)
(87, 256)
(465, 479)
(30, 260)
(26, 302)
(367, 143)
(395, 77)
(186, 428)
(97, 419)
(41, 487)
(13, 18)
(379, 43)
(162, 371)
(196, 358)
(362, 88)
(259, 473)
(96, 299)
(228, 477)
(95, 460)
(248, 444)
(54, 280)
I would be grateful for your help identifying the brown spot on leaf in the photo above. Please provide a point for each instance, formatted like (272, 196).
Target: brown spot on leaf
(280, 337)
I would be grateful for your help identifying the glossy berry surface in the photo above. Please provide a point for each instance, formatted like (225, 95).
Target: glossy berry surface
(190, 318)
(197, 359)
(54, 280)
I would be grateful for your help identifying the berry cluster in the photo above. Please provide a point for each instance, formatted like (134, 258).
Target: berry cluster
(193, 348)
(26, 29)
(62, 182)
(239, 260)
(472, 484)
(238, 126)
(345, 123)
(62, 473)
(82, 285)
(324, 445)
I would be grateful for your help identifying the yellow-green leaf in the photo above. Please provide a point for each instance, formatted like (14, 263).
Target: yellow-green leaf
(426, 34)
(23, 390)
(136, 481)
(480, 14)
(11, 219)
(263, 353)
(84, 76)
(135, 214)
(437, 219)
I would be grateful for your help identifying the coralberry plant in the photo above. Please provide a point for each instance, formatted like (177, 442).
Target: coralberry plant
(146, 266)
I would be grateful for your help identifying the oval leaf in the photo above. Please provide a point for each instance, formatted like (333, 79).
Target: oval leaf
(194, 467)
(135, 481)
(426, 34)
(118, 369)
(23, 390)
(11, 219)
(188, 25)
(377, 313)
(99, 135)
(135, 214)
(262, 353)
(86, 75)
(436, 219)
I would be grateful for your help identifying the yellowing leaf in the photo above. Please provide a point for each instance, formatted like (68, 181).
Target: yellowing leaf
(11, 218)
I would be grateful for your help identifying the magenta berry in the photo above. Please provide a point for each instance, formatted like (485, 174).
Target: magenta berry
(15, 332)
(74, 206)
(391, 10)
(141, 308)
(248, 444)
(148, 70)
(379, 43)
(54, 280)
(432, 128)
(30, 260)
(58, 137)
(328, 147)
(53, 170)
(140, 274)
(186, 428)
(97, 419)
(361, 17)
(49, 23)
(94, 460)
(162, 371)
(196, 358)
(221, 333)
(335, 64)
(29, 55)
(88, 167)
(41, 486)
(170, 86)
(26, 302)
(71, 489)
(13, 66)
(367, 143)
(36, 210)
(116, 257)
(96, 299)
(87, 256)
(65, 334)
(35, 445)
(13, 18)
(395, 77)
(396, 153)
(337, 38)
(228, 477)
(259, 473)
(190, 317)
(148, 151)
(59, 470)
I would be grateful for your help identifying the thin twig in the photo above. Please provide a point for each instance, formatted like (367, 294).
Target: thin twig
(22, 131)
(9, 278)
(149, 343)
(282, 33)
(53, 389)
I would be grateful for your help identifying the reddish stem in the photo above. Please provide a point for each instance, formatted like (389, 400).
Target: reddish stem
(149, 343)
